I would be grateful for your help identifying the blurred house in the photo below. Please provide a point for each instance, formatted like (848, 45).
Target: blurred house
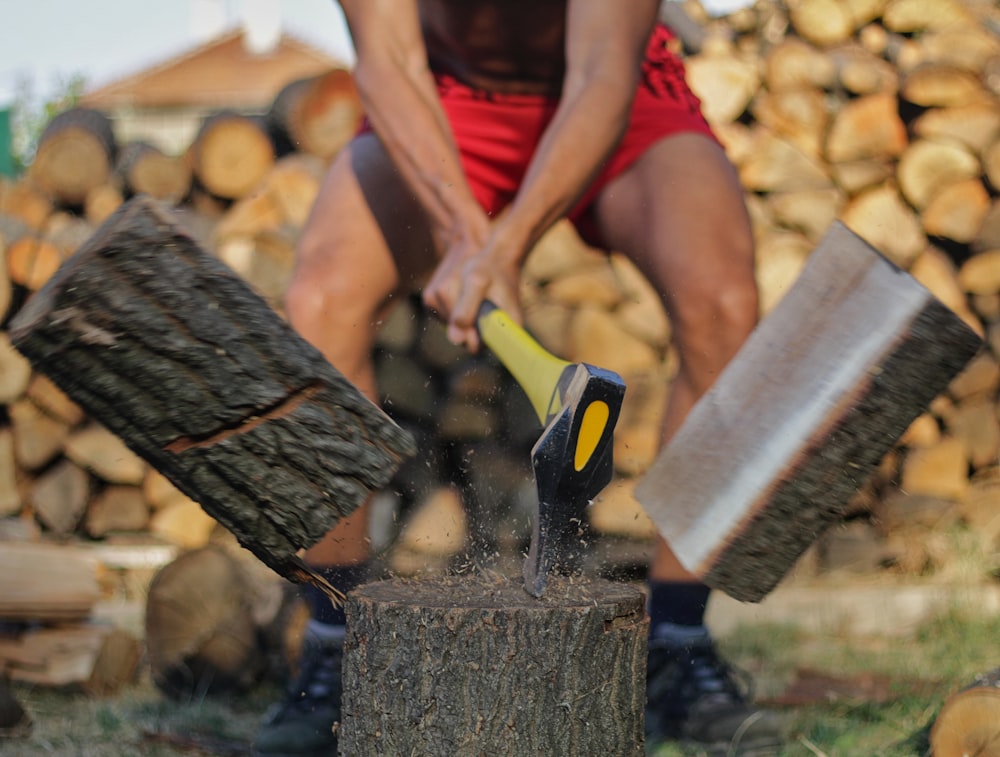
(165, 104)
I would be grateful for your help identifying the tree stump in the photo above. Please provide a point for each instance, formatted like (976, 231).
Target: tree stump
(171, 351)
(969, 721)
(473, 665)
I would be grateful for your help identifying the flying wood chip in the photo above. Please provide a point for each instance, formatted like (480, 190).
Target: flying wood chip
(172, 351)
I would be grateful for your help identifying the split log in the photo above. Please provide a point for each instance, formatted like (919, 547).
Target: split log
(199, 630)
(821, 397)
(53, 400)
(975, 125)
(59, 497)
(76, 153)
(798, 115)
(10, 496)
(26, 202)
(988, 237)
(167, 348)
(473, 665)
(910, 16)
(15, 371)
(117, 508)
(6, 287)
(95, 659)
(38, 437)
(99, 451)
(31, 261)
(46, 582)
(866, 128)
(883, 218)
(317, 115)
(969, 721)
(145, 169)
(101, 202)
(231, 154)
(795, 64)
(822, 22)
(957, 210)
(934, 85)
(725, 84)
(991, 164)
(927, 166)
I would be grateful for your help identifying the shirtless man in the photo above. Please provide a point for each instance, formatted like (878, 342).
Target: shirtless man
(548, 109)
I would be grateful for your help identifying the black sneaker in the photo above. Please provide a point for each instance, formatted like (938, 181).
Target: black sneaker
(693, 696)
(303, 724)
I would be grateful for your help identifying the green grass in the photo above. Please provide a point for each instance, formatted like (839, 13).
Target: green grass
(942, 656)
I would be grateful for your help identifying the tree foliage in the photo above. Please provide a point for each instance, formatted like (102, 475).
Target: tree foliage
(30, 114)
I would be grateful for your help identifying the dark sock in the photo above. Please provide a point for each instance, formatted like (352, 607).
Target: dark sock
(677, 604)
(342, 577)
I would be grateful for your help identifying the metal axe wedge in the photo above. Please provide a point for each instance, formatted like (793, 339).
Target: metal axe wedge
(578, 405)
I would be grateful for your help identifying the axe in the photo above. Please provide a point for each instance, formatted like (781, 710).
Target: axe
(578, 405)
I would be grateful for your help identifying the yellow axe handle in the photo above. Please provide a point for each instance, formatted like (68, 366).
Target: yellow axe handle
(535, 369)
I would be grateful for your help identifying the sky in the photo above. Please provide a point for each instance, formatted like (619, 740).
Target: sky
(48, 41)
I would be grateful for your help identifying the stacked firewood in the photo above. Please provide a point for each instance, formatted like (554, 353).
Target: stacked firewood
(883, 113)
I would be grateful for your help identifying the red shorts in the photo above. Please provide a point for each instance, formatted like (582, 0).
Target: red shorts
(497, 133)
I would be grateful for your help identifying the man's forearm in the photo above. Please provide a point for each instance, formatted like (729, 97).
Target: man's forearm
(401, 102)
(604, 51)
(409, 121)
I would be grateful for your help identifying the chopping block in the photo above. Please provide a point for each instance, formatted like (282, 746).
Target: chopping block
(472, 664)
(831, 378)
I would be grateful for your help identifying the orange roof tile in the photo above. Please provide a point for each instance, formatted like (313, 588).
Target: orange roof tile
(222, 73)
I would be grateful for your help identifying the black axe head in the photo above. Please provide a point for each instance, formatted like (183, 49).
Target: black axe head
(572, 462)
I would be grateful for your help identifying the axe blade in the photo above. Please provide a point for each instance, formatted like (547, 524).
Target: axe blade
(572, 463)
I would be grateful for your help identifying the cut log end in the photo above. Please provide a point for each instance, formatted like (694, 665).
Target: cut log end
(969, 722)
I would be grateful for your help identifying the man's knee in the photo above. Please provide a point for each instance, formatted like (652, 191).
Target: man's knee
(713, 316)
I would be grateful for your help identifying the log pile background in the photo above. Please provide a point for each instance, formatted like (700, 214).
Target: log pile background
(883, 113)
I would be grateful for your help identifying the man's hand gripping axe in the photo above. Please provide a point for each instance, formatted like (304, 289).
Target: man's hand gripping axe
(578, 404)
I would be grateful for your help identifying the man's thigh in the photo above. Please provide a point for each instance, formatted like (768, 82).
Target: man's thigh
(678, 212)
(366, 225)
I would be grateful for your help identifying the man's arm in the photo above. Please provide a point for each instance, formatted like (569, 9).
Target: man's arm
(605, 44)
(401, 101)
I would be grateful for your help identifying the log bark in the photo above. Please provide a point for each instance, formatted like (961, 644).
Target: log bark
(473, 665)
(822, 396)
(969, 721)
(76, 153)
(167, 348)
